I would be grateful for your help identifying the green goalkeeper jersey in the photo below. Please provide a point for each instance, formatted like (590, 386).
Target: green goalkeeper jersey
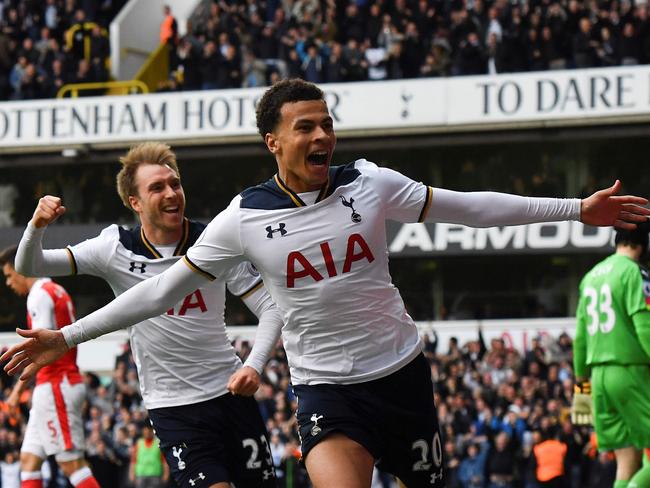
(608, 332)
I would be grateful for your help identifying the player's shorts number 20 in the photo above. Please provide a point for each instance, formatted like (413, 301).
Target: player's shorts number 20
(599, 309)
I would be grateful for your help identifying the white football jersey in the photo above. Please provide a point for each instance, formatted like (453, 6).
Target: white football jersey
(326, 267)
(183, 356)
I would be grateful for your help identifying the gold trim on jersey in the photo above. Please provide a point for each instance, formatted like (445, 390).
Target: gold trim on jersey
(184, 237)
(149, 245)
(252, 289)
(196, 269)
(296, 199)
(73, 261)
(427, 205)
(294, 196)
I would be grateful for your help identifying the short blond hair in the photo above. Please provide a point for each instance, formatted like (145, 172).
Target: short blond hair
(145, 153)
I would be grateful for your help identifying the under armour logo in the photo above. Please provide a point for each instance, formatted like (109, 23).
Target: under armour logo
(135, 266)
(356, 218)
(176, 452)
(193, 481)
(315, 430)
(268, 474)
(270, 230)
(435, 477)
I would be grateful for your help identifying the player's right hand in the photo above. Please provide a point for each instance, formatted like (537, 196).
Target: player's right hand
(49, 209)
(245, 381)
(581, 405)
(42, 347)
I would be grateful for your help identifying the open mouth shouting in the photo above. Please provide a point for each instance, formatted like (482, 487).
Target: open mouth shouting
(318, 158)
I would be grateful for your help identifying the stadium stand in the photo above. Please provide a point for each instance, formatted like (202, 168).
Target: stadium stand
(45, 45)
(230, 44)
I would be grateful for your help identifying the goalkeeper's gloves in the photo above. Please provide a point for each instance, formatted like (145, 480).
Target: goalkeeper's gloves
(581, 406)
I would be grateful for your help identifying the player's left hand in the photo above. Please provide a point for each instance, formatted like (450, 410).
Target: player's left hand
(41, 348)
(245, 381)
(606, 208)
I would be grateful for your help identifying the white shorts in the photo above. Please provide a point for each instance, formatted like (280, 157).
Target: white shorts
(55, 426)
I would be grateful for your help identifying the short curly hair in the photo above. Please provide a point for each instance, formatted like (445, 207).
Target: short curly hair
(285, 91)
(150, 152)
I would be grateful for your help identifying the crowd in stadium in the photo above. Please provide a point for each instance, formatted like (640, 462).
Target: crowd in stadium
(231, 44)
(236, 45)
(495, 405)
(45, 45)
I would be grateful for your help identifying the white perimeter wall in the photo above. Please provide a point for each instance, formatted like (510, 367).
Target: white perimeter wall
(99, 355)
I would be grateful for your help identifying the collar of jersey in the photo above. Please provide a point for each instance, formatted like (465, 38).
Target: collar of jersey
(294, 196)
(179, 251)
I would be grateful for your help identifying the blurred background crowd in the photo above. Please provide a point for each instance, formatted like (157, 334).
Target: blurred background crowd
(495, 407)
(233, 44)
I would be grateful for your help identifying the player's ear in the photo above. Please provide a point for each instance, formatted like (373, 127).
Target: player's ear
(272, 142)
(135, 203)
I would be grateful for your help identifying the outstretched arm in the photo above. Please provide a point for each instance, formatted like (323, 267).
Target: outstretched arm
(31, 259)
(487, 209)
(147, 299)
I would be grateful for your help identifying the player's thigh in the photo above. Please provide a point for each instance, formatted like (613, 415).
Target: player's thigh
(213, 442)
(341, 462)
(73, 397)
(32, 444)
(635, 404)
(411, 437)
(327, 409)
(249, 458)
(56, 407)
(192, 446)
(621, 406)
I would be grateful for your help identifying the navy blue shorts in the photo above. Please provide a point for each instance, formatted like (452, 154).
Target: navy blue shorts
(394, 418)
(223, 439)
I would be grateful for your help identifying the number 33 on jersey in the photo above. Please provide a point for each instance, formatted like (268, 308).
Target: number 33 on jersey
(610, 294)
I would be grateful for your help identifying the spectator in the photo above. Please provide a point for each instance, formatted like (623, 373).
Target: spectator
(334, 70)
(254, 70)
(499, 466)
(32, 84)
(168, 27)
(78, 36)
(549, 457)
(210, 66)
(189, 65)
(630, 46)
(148, 466)
(470, 59)
(106, 465)
(471, 471)
(16, 74)
(10, 471)
(312, 65)
(584, 46)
